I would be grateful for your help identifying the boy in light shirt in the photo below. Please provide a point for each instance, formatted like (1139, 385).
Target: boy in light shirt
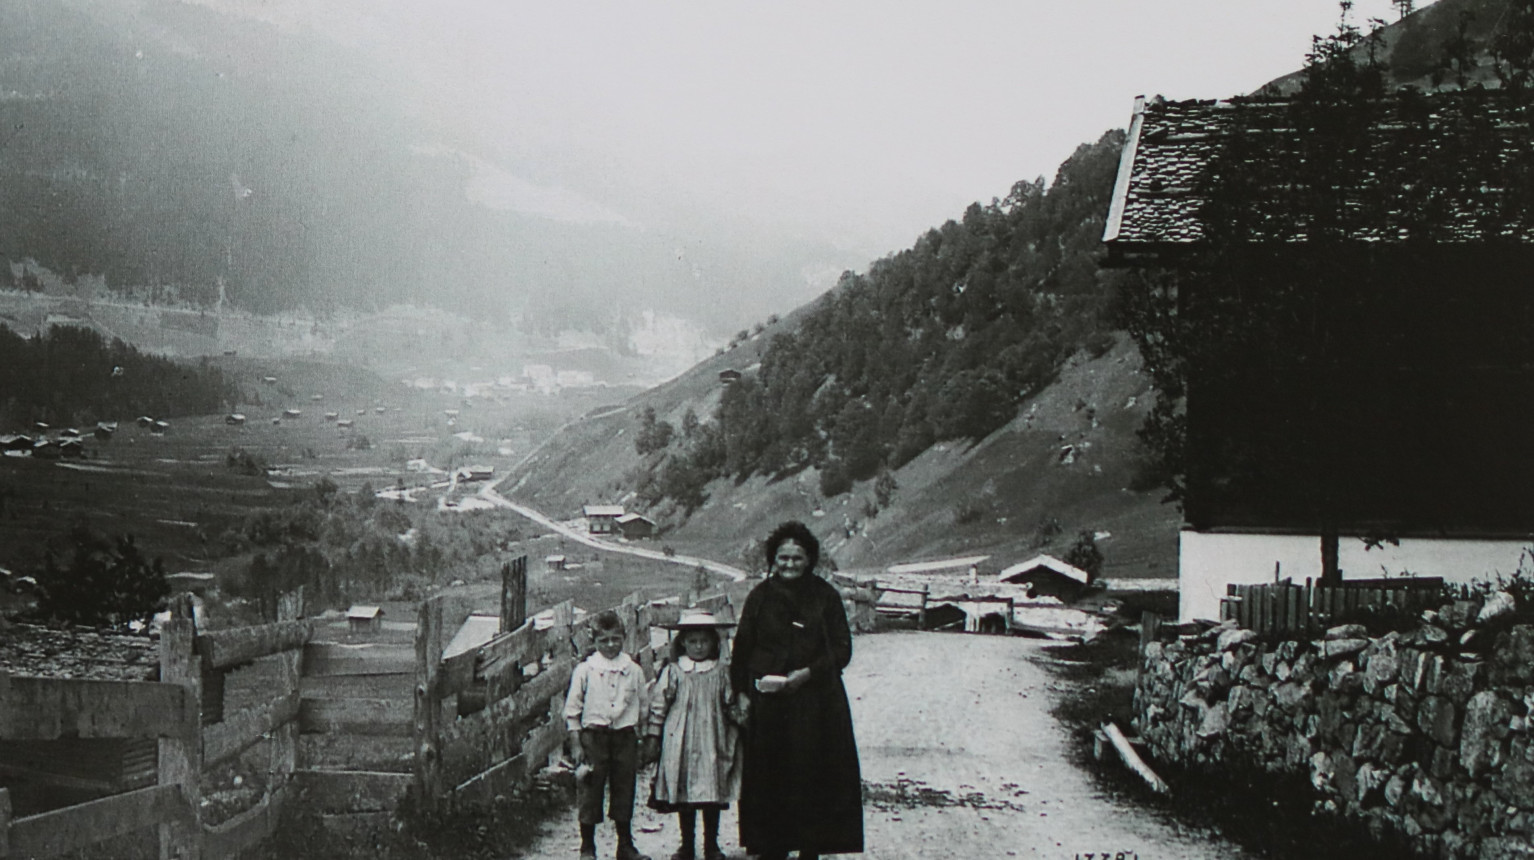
(602, 713)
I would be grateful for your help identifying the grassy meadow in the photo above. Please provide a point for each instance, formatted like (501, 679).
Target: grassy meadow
(208, 496)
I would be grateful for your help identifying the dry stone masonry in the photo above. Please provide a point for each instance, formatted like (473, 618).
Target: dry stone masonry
(1425, 734)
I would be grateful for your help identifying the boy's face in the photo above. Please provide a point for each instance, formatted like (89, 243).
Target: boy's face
(698, 645)
(609, 643)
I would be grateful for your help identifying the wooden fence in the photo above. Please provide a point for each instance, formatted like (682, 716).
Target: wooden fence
(351, 727)
(510, 696)
(183, 712)
(1282, 608)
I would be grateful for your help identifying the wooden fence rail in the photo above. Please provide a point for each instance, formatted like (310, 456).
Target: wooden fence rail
(511, 694)
(1282, 608)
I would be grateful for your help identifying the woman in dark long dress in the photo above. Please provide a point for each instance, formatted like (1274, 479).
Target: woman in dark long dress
(801, 788)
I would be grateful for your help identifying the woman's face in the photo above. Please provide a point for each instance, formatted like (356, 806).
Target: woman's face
(791, 561)
(698, 645)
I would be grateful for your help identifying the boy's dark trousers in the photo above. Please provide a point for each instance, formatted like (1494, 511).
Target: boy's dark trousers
(614, 758)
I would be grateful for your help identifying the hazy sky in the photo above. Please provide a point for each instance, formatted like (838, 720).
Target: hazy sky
(861, 123)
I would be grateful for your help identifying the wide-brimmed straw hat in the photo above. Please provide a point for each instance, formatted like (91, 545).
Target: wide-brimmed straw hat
(698, 619)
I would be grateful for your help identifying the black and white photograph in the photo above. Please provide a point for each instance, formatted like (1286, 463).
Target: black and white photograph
(477, 430)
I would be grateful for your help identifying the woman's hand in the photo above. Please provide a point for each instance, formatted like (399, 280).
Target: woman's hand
(797, 678)
(649, 752)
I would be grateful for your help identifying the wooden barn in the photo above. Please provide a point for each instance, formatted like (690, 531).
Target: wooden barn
(602, 519)
(364, 619)
(635, 526)
(1047, 576)
(1357, 384)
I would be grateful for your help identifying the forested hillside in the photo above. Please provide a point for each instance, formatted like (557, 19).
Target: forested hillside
(70, 375)
(941, 341)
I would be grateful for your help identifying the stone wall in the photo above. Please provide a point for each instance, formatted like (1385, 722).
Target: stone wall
(1426, 733)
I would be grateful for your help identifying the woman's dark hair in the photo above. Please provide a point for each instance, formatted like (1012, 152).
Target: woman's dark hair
(676, 642)
(800, 534)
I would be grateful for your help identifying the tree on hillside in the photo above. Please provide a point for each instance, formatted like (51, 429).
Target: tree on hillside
(1085, 554)
(100, 582)
(941, 341)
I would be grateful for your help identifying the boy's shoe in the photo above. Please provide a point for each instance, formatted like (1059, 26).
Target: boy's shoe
(683, 853)
(712, 852)
(588, 852)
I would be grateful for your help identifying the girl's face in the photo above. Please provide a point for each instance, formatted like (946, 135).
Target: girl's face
(791, 560)
(698, 645)
(609, 643)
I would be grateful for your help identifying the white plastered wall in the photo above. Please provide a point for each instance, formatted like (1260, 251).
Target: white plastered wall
(1208, 561)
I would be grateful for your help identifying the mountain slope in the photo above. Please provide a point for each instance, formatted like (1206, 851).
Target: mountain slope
(169, 148)
(1069, 461)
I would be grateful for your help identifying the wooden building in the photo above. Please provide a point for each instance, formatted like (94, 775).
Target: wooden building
(1353, 281)
(602, 519)
(635, 526)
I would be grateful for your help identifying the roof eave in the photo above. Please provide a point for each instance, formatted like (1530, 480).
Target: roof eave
(1120, 198)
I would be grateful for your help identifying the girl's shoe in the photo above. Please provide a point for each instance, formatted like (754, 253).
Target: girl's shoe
(684, 853)
(712, 852)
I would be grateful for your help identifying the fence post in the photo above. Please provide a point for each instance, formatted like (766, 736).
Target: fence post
(5, 822)
(428, 710)
(513, 594)
(921, 613)
(283, 757)
(180, 756)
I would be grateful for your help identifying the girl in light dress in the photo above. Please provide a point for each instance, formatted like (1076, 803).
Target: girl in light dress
(693, 727)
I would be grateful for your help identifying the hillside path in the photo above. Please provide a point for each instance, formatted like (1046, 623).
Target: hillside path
(492, 495)
(961, 758)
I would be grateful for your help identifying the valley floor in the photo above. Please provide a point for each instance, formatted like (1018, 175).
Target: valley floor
(961, 758)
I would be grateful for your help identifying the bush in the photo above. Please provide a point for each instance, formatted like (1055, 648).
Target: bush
(106, 582)
(966, 513)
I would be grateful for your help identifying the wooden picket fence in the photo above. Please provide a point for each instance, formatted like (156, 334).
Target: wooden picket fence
(1286, 608)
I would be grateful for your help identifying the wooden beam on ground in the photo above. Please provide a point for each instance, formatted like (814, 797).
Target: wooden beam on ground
(1133, 761)
(50, 834)
(48, 708)
(238, 645)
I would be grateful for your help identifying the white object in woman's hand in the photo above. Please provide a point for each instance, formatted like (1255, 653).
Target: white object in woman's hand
(771, 683)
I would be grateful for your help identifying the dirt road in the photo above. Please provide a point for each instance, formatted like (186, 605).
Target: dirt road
(961, 759)
(493, 496)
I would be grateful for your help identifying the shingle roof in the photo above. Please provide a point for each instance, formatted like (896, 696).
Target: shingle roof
(1409, 164)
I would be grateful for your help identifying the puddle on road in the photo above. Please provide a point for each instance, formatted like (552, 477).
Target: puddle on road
(914, 794)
